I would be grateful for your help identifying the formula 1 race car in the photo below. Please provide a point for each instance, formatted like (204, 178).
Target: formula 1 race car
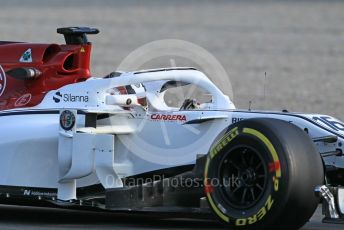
(118, 143)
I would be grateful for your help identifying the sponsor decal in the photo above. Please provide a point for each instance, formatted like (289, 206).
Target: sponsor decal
(57, 98)
(2, 80)
(28, 192)
(68, 97)
(23, 100)
(26, 57)
(169, 117)
(237, 119)
(67, 120)
(329, 122)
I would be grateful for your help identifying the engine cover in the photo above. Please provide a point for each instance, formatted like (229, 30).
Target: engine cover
(52, 66)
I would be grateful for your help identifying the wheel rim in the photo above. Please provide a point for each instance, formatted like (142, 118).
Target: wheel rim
(243, 177)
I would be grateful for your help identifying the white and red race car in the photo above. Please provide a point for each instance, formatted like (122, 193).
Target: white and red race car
(118, 143)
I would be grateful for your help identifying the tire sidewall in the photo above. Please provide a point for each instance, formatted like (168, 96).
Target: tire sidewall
(275, 196)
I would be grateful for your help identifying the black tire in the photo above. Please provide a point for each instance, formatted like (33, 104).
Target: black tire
(276, 163)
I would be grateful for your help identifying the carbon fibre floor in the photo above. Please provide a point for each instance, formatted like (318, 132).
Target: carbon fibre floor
(14, 217)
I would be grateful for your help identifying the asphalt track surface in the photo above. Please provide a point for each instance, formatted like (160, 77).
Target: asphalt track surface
(298, 43)
(13, 218)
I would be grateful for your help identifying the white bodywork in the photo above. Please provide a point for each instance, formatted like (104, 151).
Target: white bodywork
(131, 138)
